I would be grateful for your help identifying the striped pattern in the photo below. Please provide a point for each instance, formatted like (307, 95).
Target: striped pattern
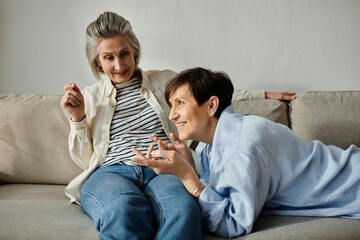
(133, 122)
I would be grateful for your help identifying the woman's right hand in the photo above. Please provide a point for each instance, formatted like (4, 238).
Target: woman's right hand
(73, 102)
(178, 146)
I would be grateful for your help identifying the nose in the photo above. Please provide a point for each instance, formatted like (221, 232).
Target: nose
(173, 114)
(118, 64)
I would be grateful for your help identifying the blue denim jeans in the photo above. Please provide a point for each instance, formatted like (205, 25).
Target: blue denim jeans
(133, 202)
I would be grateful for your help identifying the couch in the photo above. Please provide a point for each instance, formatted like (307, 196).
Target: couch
(35, 165)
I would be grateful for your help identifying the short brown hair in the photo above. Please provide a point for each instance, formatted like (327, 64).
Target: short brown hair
(203, 83)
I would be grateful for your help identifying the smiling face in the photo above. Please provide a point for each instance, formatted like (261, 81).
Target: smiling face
(116, 57)
(192, 121)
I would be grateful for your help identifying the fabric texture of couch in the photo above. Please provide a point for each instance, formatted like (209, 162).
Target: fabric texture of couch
(35, 165)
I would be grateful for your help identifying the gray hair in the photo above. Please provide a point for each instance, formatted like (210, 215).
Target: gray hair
(108, 25)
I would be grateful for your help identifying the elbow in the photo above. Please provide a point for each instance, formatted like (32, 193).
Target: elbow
(230, 228)
(232, 232)
(81, 163)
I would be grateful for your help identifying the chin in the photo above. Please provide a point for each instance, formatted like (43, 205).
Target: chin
(122, 80)
(184, 137)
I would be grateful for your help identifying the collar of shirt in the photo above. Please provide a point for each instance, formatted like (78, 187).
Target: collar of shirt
(225, 125)
(110, 89)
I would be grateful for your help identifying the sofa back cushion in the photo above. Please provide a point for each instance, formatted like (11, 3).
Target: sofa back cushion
(332, 117)
(33, 140)
(273, 110)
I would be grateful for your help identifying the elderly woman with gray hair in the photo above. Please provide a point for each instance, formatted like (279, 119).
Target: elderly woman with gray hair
(120, 111)
(107, 119)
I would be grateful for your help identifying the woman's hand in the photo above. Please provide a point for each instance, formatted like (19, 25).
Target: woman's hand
(164, 161)
(283, 96)
(73, 102)
(178, 145)
(171, 162)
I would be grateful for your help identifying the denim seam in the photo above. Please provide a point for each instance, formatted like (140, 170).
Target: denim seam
(137, 173)
(161, 210)
(96, 203)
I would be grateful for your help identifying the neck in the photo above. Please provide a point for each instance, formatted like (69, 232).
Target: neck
(209, 135)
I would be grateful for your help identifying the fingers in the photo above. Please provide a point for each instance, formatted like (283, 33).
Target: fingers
(164, 154)
(150, 149)
(288, 96)
(142, 160)
(73, 100)
(75, 87)
(175, 139)
(156, 139)
(162, 144)
(72, 97)
(282, 96)
(138, 153)
(69, 100)
(73, 90)
(71, 86)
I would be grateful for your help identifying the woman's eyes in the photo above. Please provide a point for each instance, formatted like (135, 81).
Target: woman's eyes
(122, 55)
(180, 102)
(108, 57)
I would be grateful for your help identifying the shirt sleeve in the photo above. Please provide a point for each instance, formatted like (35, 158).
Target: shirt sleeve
(240, 94)
(80, 143)
(235, 195)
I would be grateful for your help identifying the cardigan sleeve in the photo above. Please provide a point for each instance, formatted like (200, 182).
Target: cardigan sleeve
(80, 143)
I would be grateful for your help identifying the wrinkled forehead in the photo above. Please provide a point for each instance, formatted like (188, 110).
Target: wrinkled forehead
(117, 42)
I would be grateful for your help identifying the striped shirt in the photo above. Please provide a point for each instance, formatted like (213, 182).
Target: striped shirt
(133, 122)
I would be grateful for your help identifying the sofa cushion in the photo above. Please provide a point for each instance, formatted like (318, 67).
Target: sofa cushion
(33, 140)
(39, 211)
(300, 228)
(332, 117)
(273, 110)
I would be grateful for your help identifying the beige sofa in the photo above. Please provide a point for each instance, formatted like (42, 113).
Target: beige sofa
(35, 165)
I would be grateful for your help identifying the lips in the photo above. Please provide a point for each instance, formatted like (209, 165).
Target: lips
(180, 124)
(121, 73)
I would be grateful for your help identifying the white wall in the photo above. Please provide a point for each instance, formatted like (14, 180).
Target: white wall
(295, 45)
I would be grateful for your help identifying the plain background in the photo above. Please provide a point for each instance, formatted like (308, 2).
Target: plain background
(294, 45)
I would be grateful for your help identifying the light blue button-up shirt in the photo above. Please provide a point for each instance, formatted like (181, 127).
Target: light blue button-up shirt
(257, 166)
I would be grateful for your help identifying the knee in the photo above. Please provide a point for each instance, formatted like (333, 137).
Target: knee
(186, 215)
(127, 205)
(189, 208)
(123, 217)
